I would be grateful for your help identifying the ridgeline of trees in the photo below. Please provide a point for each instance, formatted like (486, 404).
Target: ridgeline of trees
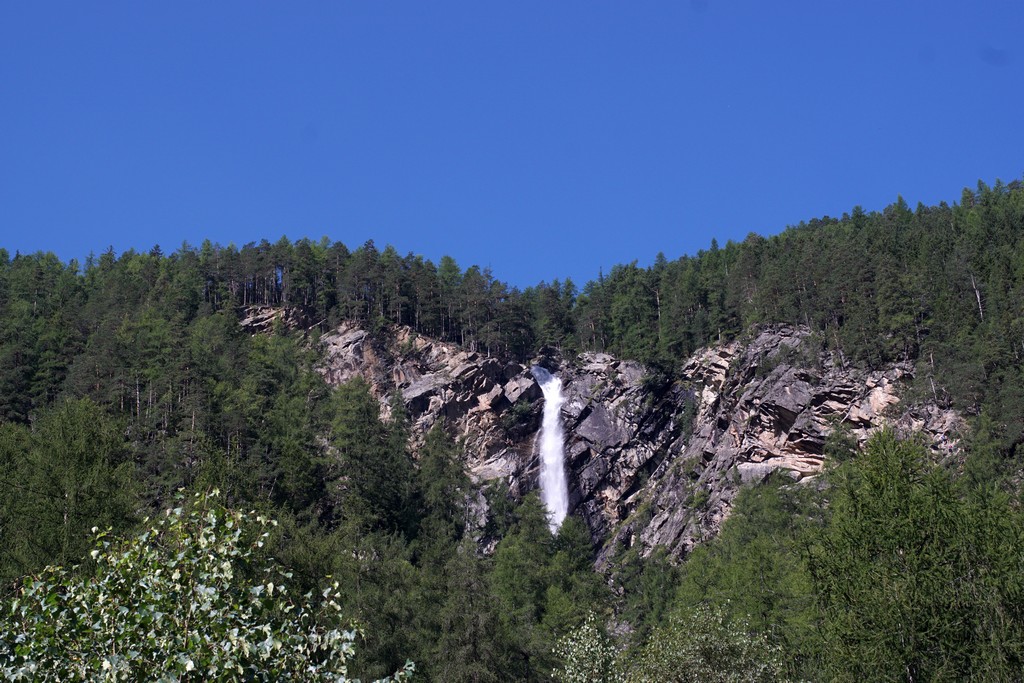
(128, 378)
(941, 285)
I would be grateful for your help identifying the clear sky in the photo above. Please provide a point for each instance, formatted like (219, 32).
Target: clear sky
(542, 139)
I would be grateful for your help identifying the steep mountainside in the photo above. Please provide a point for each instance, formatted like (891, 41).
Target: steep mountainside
(650, 461)
(140, 375)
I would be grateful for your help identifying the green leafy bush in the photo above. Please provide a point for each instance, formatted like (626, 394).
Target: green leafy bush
(194, 597)
(701, 645)
(588, 655)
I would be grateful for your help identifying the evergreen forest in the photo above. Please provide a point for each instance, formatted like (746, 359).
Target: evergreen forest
(129, 387)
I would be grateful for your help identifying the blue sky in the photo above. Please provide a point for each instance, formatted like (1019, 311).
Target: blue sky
(542, 139)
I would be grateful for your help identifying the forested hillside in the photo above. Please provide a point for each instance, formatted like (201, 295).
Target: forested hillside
(128, 377)
(939, 283)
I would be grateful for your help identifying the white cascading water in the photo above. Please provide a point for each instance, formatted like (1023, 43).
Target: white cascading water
(554, 490)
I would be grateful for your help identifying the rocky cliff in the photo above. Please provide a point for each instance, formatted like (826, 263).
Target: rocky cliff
(651, 460)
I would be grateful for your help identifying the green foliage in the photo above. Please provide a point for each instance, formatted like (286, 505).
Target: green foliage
(648, 586)
(588, 655)
(471, 645)
(381, 587)
(191, 598)
(517, 415)
(573, 586)
(699, 499)
(701, 645)
(444, 489)
(69, 473)
(543, 586)
(756, 570)
(520, 582)
(916, 580)
(377, 469)
(840, 444)
(40, 300)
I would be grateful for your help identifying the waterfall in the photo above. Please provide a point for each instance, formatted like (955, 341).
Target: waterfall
(553, 487)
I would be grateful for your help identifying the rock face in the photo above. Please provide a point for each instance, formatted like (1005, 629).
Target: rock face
(650, 461)
(261, 319)
(494, 406)
(764, 406)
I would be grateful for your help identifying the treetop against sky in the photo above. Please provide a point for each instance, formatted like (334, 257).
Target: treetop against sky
(545, 141)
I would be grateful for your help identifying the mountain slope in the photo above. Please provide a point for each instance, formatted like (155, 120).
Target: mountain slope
(651, 460)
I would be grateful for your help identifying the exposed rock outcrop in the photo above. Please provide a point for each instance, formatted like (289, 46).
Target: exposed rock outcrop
(650, 461)
(767, 405)
(440, 381)
(261, 319)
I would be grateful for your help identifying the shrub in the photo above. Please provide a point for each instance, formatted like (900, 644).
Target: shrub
(194, 597)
